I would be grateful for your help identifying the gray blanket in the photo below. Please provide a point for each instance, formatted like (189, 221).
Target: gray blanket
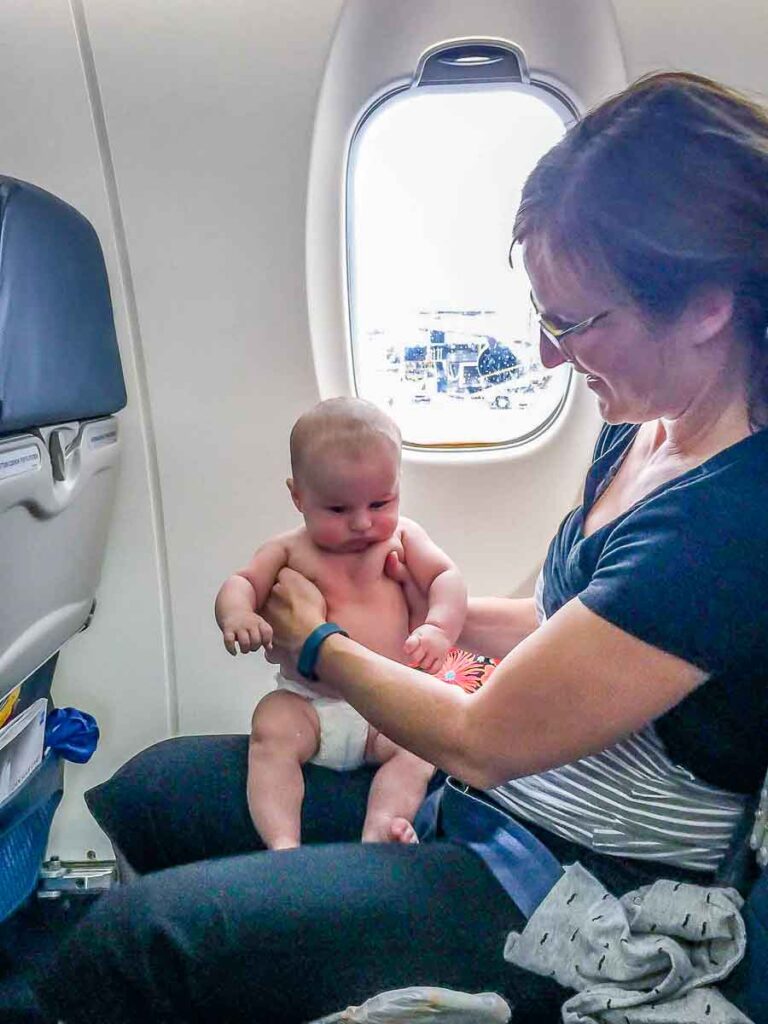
(652, 956)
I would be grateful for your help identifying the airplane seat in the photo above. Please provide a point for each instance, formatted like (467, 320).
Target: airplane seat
(61, 382)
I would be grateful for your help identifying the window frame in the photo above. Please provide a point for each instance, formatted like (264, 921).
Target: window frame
(560, 104)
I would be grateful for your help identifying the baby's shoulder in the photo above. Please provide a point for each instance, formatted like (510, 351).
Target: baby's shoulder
(288, 540)
(295, 540)
(404, 523)
(409, 529)
(303, 553)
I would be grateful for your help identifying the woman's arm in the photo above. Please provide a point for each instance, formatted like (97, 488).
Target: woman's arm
(574, 686)
(494, 625)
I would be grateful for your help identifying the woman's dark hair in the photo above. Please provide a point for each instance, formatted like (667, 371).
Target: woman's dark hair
(664, 189)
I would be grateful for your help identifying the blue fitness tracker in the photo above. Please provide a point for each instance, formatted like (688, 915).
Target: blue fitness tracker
(311, 647)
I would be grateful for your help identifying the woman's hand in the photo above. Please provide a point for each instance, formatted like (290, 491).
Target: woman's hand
(293, 609)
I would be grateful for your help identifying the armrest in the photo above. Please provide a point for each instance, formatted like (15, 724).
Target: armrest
(759, 838)
(738, 869)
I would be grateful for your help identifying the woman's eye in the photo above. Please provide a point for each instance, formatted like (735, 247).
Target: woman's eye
(556, 325)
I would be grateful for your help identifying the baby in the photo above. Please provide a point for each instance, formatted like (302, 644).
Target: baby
(345, 461)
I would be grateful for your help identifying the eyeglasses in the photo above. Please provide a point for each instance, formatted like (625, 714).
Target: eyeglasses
(555, 335)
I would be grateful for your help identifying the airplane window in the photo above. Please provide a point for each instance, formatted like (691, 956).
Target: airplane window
(443, 334)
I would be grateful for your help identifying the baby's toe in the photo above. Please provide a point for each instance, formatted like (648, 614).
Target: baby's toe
(402, 831)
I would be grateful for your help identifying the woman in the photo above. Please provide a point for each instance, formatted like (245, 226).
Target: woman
(624, 726)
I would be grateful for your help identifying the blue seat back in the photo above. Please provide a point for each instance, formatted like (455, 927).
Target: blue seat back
(58, 350)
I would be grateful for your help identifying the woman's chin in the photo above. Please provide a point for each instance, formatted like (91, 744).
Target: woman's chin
(609, 411)
(603, 404)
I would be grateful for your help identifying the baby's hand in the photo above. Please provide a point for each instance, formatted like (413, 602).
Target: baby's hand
(427, 647)
(246, 630)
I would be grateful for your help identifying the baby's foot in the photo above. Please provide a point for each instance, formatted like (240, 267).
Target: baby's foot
(402, 831)
(389, 830)
(284, 843)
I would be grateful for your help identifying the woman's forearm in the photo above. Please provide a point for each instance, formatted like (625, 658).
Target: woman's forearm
(551, 701)
(495, 625)
(414, 709)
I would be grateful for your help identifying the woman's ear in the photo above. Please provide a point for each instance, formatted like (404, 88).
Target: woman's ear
(709, 311)
(294, 492)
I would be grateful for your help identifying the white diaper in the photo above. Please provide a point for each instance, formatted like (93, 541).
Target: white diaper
(343, 731)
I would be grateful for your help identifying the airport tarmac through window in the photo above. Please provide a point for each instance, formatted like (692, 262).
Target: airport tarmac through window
(443, 335)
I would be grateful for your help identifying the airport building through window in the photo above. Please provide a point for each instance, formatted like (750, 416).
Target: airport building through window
(443, 333)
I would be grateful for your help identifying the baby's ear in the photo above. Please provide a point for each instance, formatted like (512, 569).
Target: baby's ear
(294, 492)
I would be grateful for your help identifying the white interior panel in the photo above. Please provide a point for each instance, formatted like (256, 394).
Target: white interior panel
(726, 41)
(53, 530)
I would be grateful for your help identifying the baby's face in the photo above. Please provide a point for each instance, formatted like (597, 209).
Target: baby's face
(350, 503)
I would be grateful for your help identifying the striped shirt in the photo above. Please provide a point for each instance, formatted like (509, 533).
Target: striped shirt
(629, 801)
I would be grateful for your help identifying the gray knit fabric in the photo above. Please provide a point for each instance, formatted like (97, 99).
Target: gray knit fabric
(652, 956)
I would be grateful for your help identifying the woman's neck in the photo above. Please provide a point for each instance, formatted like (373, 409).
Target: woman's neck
(699, 433)
(717, 417)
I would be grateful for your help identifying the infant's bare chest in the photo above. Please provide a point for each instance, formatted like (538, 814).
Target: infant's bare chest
(344, 577)
(359, 595)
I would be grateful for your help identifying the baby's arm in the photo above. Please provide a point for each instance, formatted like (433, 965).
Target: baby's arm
(240, 597)
(436, 575)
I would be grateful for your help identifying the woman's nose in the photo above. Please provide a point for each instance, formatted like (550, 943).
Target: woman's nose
(549, 354)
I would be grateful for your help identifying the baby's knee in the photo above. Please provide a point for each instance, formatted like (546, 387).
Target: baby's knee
(285, 722)
(415, 767)
(277, 710)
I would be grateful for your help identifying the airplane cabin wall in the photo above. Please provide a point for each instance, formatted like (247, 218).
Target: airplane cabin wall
(725, 41)
(183, 130)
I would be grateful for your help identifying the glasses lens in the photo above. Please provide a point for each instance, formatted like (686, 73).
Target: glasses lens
(534, 325)
(538, 327)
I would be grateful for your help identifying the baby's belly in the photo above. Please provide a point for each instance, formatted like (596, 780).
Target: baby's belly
(376, 617)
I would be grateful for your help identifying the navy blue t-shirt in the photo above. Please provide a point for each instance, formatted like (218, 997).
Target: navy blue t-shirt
(686, 569)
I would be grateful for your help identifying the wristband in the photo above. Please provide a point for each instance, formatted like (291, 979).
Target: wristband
(311, 647)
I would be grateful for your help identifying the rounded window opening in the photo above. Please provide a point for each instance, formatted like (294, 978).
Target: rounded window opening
(443, 333)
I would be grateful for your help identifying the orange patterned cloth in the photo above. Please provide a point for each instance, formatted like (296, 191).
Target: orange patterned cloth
(469, 671)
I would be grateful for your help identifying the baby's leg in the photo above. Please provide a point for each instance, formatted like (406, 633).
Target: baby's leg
(285, 732)
(396, 793)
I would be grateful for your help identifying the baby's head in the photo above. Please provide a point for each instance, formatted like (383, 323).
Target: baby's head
(345, 466)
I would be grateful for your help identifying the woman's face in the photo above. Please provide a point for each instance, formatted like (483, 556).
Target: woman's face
(637, 370)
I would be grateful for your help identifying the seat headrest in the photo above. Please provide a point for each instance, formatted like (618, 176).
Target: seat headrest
(59, 359)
